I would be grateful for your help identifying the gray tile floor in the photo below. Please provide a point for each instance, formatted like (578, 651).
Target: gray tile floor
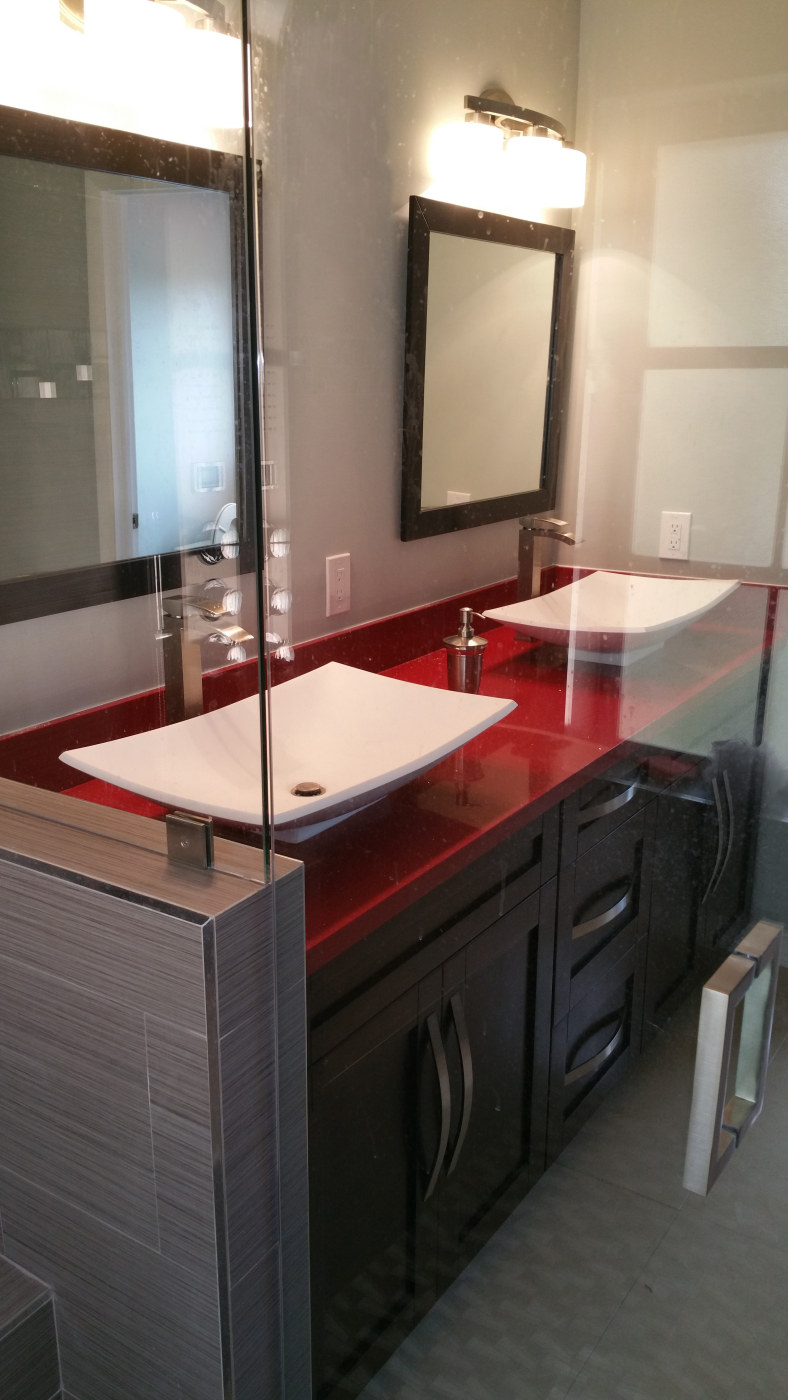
(610, 1282)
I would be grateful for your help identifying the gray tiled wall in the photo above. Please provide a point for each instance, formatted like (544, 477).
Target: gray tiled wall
(103, 1041)
(250, 999)
(29, 1367)
(138, 1152)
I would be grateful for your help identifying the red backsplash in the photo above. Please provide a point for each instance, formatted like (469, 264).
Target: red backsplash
(33, 755)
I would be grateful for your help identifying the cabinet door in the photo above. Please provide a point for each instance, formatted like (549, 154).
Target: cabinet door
(673, 955)
(496, 1028)
(365, 1171)
(733, 791)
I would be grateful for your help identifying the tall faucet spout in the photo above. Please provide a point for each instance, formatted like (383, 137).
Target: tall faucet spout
(533, 529)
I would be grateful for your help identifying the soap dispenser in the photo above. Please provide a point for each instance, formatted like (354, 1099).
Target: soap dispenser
(464, 654)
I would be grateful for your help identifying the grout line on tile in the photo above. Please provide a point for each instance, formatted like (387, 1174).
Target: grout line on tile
(99, 1220)
(620, 1186)
(636, 1280)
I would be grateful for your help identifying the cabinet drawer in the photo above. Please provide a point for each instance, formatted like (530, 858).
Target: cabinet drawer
(603, 804)
(594, 1045)
(602, 911)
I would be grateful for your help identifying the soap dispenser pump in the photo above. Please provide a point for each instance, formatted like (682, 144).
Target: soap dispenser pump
(464, 655)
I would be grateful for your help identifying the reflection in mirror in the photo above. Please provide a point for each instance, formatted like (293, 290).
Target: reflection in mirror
(474, 319)
(119, 367)
(116, 365)
(483, 368)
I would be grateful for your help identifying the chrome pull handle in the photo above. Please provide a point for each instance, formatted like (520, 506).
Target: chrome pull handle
(466, 1059)
(613, 804)
(442, 1070)
(602, 920)
(590, 1066)
(712, 885)
(719, 1120)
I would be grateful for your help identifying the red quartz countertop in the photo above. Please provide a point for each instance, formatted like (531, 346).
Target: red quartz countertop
(569, 721)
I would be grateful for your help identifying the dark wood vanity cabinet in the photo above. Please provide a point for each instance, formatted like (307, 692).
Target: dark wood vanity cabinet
(600, 953)
(595, 1044)
(494, 1020)
(732, 782)
(427, 1124)
(457, 1049)
(705, 825)
(680, 841)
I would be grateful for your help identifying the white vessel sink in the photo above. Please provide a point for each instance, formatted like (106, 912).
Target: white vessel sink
(354, 734)
(614, 618)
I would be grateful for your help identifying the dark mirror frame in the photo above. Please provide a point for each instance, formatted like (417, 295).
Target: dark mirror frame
(33, 136)
(429, 216)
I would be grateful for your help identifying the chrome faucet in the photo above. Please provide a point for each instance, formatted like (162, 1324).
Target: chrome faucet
(529, 562)
(189, 619)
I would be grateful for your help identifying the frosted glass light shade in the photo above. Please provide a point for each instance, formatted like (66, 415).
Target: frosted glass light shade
(135, 24)
(548, 173)
(570, 186)
(463, 148)
(465, 161)
(212, 63)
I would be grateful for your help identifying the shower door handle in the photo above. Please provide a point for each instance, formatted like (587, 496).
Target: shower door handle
(721, 1113)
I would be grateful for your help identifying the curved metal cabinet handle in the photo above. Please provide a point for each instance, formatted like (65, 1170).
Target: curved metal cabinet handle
(467, 1078)
(720, 1117)
(602, 920)
(442, 1069)
(718, 863)
(604, 809)
(590, 1066)
(726, 782)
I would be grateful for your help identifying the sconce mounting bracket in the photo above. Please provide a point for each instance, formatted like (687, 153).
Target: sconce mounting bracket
(500, 109)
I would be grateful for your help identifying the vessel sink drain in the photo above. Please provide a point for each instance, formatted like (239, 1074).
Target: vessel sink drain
(307, 789)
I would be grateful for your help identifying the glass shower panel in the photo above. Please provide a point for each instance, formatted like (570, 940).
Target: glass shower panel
(132, 544)
(506, 950)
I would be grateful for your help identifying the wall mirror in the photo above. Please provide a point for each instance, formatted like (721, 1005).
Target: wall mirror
(485, 350)
(123, 366)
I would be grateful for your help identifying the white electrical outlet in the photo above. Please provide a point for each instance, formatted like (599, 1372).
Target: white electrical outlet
(337, 584)
(674, 534)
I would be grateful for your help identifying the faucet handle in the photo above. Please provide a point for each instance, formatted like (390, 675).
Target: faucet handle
(230, 635)
(215, 599)
(538, 523)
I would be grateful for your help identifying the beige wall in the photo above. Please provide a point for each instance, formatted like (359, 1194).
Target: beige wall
(350, 95)
(353, 92)
(680, 369)
(347, 98)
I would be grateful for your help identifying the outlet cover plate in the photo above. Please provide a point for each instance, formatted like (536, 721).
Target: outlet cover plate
(337, 584)
(674, 534)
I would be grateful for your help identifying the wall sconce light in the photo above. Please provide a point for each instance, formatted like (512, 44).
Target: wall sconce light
(170, 68)
(507, 159)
